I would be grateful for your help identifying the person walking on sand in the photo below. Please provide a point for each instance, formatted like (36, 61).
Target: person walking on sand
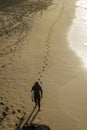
(36, 94)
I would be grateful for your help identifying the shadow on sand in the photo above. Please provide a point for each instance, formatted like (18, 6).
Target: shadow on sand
(29, 125)
(21, 125)
(36, 127)
(32, 6)
(9, 3)
(31, 117)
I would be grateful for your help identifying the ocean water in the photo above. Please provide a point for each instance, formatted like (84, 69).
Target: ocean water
(78, 31)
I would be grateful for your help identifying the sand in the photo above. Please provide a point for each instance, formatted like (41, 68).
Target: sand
(45, 56)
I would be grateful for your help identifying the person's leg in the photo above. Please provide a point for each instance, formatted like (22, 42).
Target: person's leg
(39, 104)
(35, 99)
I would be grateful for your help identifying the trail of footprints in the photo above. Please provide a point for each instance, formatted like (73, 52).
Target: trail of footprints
(18, 22)
(46, 57)
(19, 114)
(6, 112)
(48, 47)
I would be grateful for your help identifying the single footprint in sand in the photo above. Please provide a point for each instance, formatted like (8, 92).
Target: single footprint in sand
(4, 114)
(39, 72)
(39, 79)
(41, 75)
(41, 82)
(43, 70)
(47, 53)
(1, 102)
(46, 58)
(44, 61)
(13, 112)
(38, 120)
(48, 41)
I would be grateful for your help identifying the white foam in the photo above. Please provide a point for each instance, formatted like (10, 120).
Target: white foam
(84, 19)
(78, 31)
(82, 3)
(85, 44)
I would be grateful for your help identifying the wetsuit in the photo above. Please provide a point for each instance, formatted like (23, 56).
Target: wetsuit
(37, 93)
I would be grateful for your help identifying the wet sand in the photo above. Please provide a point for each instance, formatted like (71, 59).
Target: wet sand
(65, 80)
(45, 56)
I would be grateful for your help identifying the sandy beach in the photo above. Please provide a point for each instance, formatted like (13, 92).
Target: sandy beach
(36, 48)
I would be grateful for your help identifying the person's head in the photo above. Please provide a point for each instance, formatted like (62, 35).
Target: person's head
(36, 83)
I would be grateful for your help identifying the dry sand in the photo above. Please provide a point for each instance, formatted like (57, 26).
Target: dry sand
(45, 56)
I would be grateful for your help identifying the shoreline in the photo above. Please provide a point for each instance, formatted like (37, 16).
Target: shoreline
(77, 34)
(64, 87)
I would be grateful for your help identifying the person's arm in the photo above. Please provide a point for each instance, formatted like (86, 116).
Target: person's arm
(32, 88)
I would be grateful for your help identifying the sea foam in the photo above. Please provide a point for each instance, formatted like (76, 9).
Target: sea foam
(78, 31)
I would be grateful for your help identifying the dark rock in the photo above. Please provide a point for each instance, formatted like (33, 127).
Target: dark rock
(36, 127)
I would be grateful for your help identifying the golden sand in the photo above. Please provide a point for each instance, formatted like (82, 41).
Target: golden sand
(46, 56)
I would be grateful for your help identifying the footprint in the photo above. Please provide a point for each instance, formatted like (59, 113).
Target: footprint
(48, 42)
(48, 38)
(43, 70)
(45, 57)
(48, 46)
(41, 76)
(4, 114)
(2, 103)
(41, 82)
(7, 108)
(38, 120)
(3, 66)
(45, 61)
(43, 67)
(47, 53)
(12, 106)
(13, 112)
(19, 111)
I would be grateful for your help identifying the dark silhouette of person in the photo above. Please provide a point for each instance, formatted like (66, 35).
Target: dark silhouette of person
(37, 94)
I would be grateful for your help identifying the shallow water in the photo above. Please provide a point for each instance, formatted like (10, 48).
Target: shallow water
(78, 31)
